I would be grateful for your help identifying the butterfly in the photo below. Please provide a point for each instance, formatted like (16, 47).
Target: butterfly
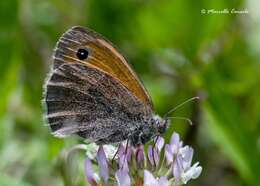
(93, 92)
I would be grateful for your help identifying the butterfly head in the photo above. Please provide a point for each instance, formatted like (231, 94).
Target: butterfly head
(160, 124)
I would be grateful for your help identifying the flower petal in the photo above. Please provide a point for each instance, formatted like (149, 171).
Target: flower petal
(90, 175)
(187, 154)
(123, 163)
(168, 154)
(140, 154)
(159, 143)
(121, 149)
(153, 155)
(175, 143)
(125, 150)
(149, 179)
(163, 181)
(177, 169)
(175, 139)
(129, 152)
(122, 178)
(192, 173)
(197, 172)
(102, 162)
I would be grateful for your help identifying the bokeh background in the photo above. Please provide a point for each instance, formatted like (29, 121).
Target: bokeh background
(178, 52)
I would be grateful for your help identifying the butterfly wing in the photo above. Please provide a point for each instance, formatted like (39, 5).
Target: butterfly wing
(103, 56)
(84, 100)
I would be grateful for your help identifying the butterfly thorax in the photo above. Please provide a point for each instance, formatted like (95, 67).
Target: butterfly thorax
(149, 128)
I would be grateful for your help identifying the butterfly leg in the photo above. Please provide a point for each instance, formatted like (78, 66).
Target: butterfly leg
(113, 159)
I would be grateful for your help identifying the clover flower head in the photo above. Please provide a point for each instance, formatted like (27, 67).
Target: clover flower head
(158, 164)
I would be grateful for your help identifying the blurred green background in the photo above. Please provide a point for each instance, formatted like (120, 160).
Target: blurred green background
(177, 51)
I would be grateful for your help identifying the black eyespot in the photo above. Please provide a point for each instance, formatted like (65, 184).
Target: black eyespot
(82, 53)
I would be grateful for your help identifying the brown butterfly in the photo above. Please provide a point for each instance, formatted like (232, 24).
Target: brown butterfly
(93, 92)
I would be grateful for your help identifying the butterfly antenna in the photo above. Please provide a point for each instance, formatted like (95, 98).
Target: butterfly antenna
(180, 105)
(182, 118)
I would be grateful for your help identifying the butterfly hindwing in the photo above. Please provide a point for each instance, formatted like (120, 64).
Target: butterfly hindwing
(83, 100)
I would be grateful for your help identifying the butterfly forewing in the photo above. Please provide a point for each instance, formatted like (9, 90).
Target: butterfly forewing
(102, 55)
